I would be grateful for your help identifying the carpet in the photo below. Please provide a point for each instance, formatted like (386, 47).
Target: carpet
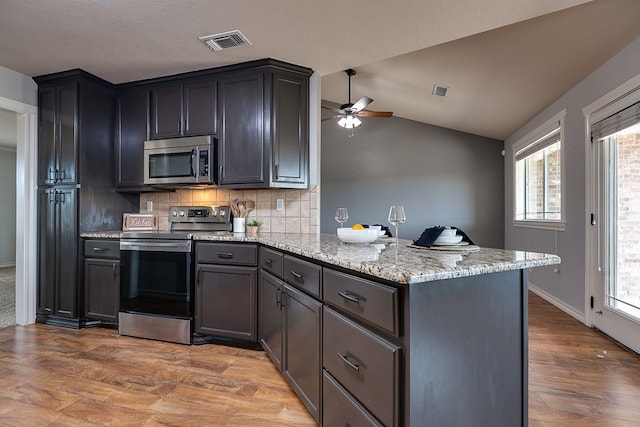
(7, 297)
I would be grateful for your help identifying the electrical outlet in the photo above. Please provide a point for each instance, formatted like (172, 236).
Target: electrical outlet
(149, 205)
(279, 204)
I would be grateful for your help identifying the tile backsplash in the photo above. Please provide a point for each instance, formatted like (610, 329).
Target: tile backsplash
(300, 214)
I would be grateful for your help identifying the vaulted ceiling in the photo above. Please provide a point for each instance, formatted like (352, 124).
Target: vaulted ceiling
(503, 60)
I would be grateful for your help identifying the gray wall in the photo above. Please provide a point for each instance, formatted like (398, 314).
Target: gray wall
(441, 176)
(568, 285)
(7, 206)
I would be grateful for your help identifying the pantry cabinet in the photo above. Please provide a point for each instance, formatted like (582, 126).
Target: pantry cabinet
(76, 194)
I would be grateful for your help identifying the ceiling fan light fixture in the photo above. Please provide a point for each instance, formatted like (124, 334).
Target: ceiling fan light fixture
(349, 122)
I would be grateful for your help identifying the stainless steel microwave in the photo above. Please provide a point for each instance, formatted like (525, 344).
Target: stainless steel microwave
(181, 161)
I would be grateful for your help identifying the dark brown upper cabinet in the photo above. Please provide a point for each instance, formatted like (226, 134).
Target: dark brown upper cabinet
(132, 129)
(186, 108)
(57, 153)
(264, 127)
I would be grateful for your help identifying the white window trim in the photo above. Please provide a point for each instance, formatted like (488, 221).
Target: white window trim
(528, 139)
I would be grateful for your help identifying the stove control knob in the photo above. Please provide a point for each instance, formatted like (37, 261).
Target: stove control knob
(222, 213)
(174, 213)
(181, 213)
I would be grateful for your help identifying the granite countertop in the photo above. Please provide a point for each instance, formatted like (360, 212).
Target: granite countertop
(404, 265)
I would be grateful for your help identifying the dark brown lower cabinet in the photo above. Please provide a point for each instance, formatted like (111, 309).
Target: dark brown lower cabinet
(102, 280)
(226, 291)
(340, 408)
(226, 301)
(290, 333)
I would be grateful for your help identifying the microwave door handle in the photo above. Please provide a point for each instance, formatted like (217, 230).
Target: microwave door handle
(194, 165)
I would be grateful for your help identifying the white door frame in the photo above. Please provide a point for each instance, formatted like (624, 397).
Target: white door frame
(26, 209)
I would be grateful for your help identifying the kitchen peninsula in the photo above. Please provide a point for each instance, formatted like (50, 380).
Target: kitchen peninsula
(392, 336)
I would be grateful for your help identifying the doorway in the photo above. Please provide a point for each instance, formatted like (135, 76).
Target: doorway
(8, 140)
(26, 211)
(613, 200)
(617, 290)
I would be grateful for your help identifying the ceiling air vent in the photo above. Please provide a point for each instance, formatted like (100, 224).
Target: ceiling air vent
(439, 90)
(226, 40)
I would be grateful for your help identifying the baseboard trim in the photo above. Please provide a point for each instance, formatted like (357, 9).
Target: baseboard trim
(559, 304)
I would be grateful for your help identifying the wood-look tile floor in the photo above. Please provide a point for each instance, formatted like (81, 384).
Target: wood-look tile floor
(52, 376)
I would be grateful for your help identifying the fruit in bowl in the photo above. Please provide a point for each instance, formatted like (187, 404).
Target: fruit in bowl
(363, 235)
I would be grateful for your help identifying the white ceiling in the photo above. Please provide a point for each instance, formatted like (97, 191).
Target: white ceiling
(503, 59)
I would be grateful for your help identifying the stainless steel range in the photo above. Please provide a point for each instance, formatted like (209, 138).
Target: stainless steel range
(157, 270)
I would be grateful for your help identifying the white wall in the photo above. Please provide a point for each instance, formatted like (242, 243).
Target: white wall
(566, 288)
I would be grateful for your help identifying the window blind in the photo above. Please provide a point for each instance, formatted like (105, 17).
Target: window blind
(549, 139)
(616, 122)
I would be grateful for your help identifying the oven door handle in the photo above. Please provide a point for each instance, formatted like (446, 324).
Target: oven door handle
(155, 246)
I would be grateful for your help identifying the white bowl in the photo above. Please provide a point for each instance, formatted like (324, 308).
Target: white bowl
(349, 235)
(448, 232)
(448, 240)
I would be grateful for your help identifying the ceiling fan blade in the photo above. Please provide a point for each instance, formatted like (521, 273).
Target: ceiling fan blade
(369, 113)
(361, 104)
(332, 117)
(330, 108)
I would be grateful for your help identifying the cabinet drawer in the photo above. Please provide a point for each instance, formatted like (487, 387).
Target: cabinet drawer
(102, 249)
(227, 253)
(302, 274)
(340, 408)
(368, 300)
(271, 261)
(367, 365)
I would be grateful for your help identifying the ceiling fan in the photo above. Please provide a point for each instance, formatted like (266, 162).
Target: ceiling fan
(349, 113)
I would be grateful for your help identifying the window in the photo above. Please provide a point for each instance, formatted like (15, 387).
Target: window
(538, 175)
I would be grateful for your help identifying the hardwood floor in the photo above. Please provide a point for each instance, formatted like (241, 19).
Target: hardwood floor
(578, 376)
(57, 376)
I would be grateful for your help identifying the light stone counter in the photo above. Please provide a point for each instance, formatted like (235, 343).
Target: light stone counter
(402, 265)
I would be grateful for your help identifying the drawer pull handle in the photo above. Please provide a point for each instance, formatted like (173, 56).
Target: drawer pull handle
(100, 250)
(268, 261)
(345, 359)
(348, 297)
(225, 255)
(296, 275)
